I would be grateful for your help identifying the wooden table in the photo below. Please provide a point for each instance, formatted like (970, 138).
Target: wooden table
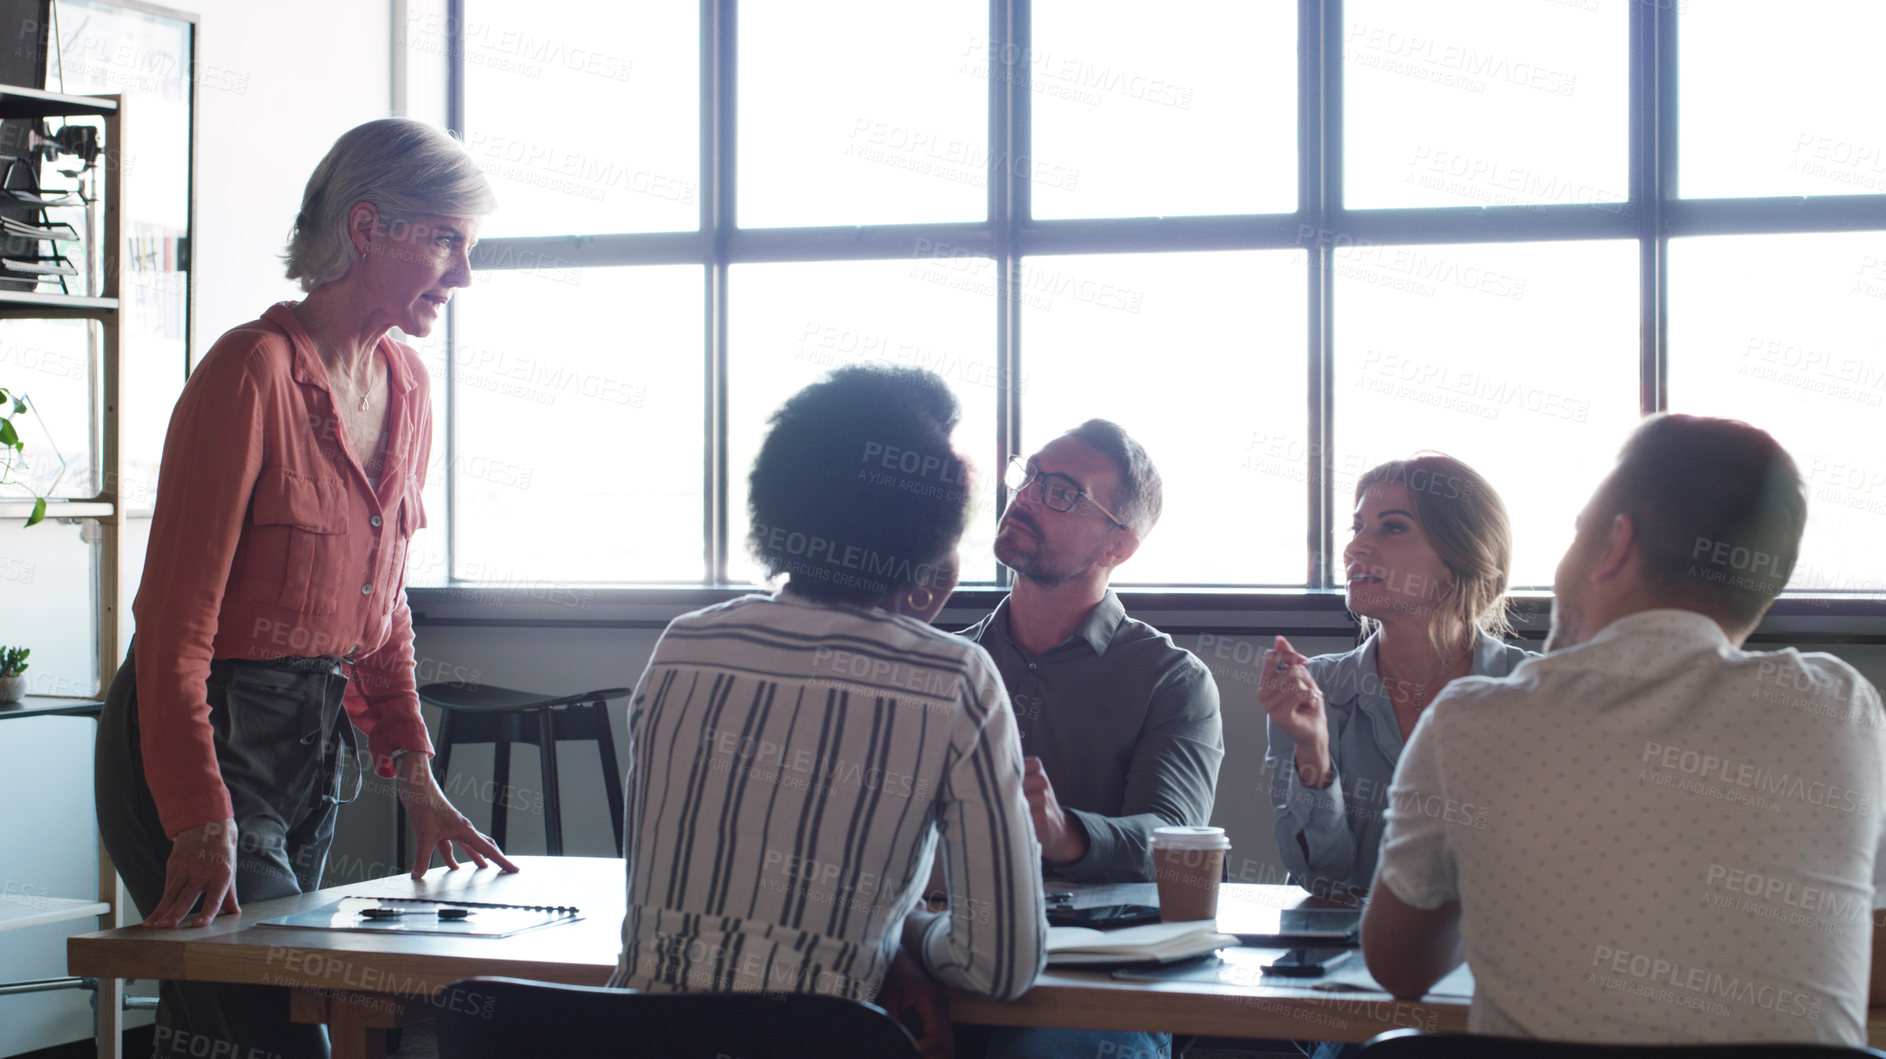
(357, 982)
(1257, 1007)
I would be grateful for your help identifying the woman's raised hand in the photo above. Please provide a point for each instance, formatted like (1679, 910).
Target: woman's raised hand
(1294, 704)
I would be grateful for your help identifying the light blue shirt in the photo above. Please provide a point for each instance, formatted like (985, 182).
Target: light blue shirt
(1330, 839)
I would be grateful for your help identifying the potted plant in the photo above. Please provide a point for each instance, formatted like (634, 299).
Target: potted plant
(13, 404)
(12, 664)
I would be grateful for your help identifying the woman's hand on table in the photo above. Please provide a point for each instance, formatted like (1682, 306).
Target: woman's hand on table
(202, 864)
(1294, 704)
(438, 826)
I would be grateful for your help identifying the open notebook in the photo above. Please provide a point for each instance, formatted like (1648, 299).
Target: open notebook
(1151, 943)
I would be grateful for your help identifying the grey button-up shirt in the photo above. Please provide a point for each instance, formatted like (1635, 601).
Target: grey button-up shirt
(1329, 839)
(1126, 723)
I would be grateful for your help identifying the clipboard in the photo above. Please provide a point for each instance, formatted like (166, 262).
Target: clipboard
(421, 916)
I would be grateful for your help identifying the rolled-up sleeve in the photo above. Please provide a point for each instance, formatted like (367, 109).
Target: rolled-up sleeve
(1172, 780)
(994, 939)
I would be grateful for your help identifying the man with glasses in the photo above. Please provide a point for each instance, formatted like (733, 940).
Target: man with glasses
(1120, 725)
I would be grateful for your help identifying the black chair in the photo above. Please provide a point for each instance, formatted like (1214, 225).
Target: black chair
(485, 713)
(1413, 1044)
(503, 1018)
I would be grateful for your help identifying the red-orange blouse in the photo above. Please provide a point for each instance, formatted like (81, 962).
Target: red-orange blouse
(269, 541)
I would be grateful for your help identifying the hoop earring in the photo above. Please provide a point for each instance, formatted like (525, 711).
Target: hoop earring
(929, 597)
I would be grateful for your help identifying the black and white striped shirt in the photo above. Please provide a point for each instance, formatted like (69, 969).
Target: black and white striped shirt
(791, 767)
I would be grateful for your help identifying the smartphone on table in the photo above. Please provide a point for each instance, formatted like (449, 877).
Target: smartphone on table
(1103, 917)
(1307, 963)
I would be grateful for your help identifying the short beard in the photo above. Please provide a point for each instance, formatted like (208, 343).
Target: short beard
(1033, 574)
(1028, 567)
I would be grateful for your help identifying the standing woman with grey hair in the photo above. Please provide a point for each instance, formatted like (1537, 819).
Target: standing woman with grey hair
(272, 617)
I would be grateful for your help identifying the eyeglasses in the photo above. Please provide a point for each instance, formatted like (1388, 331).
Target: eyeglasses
(1057, 491)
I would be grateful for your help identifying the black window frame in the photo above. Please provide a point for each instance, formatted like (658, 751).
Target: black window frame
(1651, 216)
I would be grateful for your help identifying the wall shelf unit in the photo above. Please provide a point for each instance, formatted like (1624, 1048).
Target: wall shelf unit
(103, 267)
(105, 262)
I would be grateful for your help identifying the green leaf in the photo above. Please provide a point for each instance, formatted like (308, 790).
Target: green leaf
(39, 513)
(9, 436)
(19, 404)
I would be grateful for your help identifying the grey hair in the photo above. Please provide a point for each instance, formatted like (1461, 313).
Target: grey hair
(1141, 494)
(405, 168)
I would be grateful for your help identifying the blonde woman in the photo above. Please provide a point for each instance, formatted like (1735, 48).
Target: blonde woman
(1426, 569)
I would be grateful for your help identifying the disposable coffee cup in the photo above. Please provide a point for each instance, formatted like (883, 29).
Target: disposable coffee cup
(1187, 864)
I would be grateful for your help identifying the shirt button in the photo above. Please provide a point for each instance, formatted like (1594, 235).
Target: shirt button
(366, 590)
(374, 521)
(1034, 665)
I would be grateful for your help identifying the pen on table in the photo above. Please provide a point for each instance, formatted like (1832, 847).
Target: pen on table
(395, 913)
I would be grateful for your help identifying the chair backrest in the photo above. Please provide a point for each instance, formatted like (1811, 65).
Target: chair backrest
(502, 1018)
(1413, 1044)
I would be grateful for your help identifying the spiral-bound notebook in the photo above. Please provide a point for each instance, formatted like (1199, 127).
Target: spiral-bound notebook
(423, 916)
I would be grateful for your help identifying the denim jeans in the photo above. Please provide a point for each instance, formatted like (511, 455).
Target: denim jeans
(280, 732)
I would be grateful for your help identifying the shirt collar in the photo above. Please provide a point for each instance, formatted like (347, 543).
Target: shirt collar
(307, 367)
(1488, 654)
(1342, 683)
(1096, 630)
(1345, 682)
(1686, 626)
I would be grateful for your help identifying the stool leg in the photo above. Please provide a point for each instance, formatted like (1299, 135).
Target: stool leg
(442, 753)
(611, 776)
(553, 808)
(501, 789)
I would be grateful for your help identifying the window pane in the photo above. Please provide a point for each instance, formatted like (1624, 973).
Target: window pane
(788, 324)
(48, 578)
(1143, 110)
(585, 115)
(426, 565)
(576, 457)
(861, 112)
(1788, 332)
(1200, 357)
(1771, 103)
(1484, 102)
(147, 58)
(1518, 358)
(53, 365)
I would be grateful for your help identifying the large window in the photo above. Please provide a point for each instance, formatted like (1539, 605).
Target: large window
(1279, 242)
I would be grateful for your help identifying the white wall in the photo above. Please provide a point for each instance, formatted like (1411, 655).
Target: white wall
(290, 76)
(280, 80)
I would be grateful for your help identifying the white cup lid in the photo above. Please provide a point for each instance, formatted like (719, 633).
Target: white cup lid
(1190, 837)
